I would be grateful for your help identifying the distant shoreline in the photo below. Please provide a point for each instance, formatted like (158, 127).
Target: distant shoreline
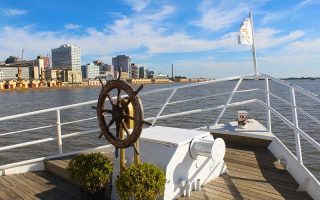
(72, 86)
(301, 78)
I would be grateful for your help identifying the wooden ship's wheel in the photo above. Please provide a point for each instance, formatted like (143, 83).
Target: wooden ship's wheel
(117, 113)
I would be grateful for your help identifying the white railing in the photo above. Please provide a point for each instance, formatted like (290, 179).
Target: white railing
(294, 125)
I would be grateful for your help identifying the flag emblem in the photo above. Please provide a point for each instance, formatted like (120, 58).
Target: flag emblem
(245, 35)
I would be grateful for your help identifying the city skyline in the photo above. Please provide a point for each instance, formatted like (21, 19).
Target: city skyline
(199, 38)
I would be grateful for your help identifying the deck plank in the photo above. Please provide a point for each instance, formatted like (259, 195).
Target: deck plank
(253, 173)
(37, 185)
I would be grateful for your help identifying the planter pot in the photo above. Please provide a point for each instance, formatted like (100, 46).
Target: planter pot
(98, 195)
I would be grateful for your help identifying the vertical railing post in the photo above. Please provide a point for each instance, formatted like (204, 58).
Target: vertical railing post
(296, 124)
(164, 105)
(229, 100)
(268, 104)
(59, 132)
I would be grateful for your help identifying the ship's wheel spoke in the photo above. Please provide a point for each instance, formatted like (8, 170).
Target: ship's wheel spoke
(107, 111)
(124, 126)
(110, 123)
(110, 99)
(118, 96)
(135, 148)
(139, 89)
(128, 117)
(146, 122)
(117, 129)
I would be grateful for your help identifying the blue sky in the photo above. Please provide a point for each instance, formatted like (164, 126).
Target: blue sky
(198, 36)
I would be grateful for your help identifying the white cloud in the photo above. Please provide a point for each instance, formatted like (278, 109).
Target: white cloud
(122, 37)
(305, 3)
(271, 16)
(161, 14)
(217, 16)
(268, 37)
(72, 26)
(14, 12)
(138, 5)
(295, 59)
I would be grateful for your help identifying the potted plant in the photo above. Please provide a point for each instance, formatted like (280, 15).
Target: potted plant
(91, 172)
(140, 182)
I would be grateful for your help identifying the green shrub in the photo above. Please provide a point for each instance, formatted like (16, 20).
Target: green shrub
(90, 171)
(140, 182)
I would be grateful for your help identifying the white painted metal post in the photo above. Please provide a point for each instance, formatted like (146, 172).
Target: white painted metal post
(229, 100)
(253, 47)
(59, 132)
(268, 104)
(164, 105)
(296, 124)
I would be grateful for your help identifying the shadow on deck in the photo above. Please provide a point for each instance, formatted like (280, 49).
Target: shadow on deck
(253, 173)
(37, 185)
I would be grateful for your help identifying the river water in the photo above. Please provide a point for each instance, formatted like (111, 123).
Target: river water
(17, 102)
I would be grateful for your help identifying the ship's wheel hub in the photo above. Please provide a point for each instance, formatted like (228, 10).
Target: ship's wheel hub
(118, 113)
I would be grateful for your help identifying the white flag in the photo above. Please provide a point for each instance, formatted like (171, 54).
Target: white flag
(245, 36)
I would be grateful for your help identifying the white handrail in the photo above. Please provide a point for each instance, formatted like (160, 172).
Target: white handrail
(298, 108)
(49, 139)
(286, 121)
(296, 124)
(228, 101)
(203, 110)
(209, 96)
(59, 132)
(299, 89)
(164, 105)
(293, 125)
(267, 90)
(25, 130)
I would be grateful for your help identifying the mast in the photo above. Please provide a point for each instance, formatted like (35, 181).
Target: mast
(253, 46)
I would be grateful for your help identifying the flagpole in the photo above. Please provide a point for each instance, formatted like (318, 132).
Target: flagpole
(253, 46)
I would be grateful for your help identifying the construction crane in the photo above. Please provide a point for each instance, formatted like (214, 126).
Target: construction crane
(19, 75)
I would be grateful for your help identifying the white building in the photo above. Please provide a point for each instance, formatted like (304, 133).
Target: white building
(90, 71)
(161, 76)
(1, 75)
(67, 56)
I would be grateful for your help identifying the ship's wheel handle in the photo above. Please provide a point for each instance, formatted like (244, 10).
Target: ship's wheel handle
(119, 117)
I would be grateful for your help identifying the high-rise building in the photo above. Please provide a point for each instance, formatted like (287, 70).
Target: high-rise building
(121, 61)
(67, 56)
(143, 72)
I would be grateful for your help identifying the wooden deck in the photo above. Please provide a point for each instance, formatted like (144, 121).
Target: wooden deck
(253, 173)
(37, 185)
